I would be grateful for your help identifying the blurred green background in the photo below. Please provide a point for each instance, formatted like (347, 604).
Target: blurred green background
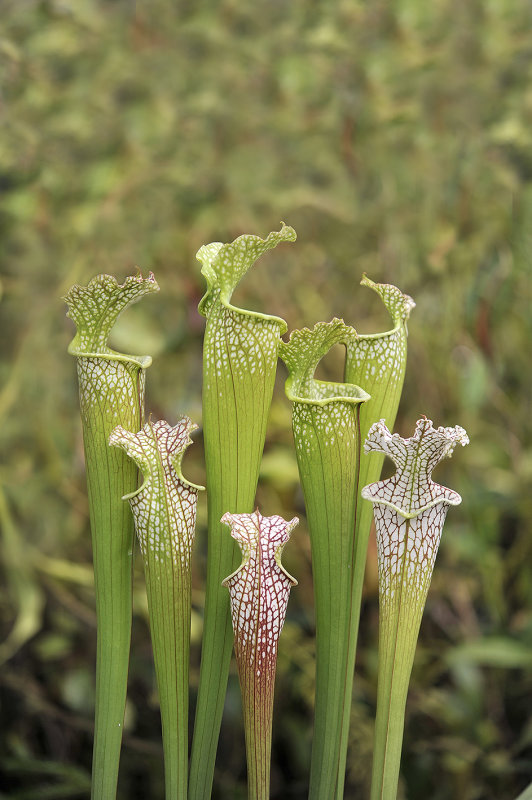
(397, 139)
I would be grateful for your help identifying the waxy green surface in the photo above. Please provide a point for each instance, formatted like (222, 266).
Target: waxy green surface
(410, 511)
(111, 387)
(239, 364)
(326, 424)
(329, 422)
(164, 510)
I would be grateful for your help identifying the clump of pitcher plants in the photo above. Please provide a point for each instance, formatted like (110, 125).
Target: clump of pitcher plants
(333, 423)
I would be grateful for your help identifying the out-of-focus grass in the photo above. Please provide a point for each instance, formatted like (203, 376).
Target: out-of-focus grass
(396, 140)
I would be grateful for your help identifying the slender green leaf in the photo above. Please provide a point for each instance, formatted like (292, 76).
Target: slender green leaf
(20, 580)
(377, 362)
(503, 652)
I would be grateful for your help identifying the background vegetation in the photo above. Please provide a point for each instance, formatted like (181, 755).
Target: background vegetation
(396, 139)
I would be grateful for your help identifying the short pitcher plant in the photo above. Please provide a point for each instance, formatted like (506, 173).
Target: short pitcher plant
(259, 591)
(409, 510)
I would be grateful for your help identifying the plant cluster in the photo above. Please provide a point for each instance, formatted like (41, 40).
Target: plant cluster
(330, 423)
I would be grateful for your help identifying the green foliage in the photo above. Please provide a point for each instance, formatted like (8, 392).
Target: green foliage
(396, 140)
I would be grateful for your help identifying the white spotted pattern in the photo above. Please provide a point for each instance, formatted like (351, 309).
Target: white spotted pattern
(259, 591)
(96, 307)
(113, 387)
(323, 410)
(409, 508)
(381, 357)
(164, 508)
(239, 344)
(111, 384)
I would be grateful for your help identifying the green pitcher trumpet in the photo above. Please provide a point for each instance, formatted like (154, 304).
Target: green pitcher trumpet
(239, 365)
(325, 419)
(326, 425)
(164, 510)
(259, 591)
(409, 510)
(111, 388)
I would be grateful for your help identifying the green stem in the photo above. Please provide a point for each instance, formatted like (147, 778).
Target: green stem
(169, 609)
(398, 632)
(328, 451)
(109, 476)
